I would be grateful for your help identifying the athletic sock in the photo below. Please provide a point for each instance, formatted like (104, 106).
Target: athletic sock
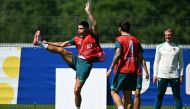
(42, 44)
(120, 107)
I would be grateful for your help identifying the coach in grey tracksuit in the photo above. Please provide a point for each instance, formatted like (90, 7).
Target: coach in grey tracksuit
(168, 68)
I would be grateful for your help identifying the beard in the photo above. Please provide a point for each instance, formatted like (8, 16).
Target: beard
(81, 34)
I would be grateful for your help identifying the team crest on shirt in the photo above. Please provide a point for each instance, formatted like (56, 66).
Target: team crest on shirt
(89, 46)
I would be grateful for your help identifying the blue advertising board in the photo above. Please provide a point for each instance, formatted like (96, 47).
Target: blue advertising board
(37, 76)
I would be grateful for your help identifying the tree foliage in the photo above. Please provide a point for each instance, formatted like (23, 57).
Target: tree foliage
(57, 19)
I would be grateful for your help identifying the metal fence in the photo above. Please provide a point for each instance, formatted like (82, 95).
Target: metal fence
(149, 30)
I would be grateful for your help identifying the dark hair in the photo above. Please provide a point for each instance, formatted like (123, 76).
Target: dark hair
(124, 25)
(84, 24)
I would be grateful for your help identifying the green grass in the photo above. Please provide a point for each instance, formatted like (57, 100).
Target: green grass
(45, 106)
(150, 107)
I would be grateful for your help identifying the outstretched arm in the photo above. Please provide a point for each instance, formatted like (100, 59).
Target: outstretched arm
(91, 18)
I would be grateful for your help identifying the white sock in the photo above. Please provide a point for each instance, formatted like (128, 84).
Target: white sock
(77, 107)
(42, 44)
(120, 107)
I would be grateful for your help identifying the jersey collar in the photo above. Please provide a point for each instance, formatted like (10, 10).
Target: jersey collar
(126, 35)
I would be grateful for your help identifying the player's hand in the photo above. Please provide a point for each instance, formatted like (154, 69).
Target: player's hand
(87, 8)
(181, 79)
(147, 76)
(155, 79)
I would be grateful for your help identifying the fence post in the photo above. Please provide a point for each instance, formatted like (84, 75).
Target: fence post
(77, 21)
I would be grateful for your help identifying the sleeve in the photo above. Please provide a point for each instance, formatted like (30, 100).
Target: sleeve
(72, 41)
(141, 49)
(156, 61)
(96, 37)
(181, 62)
(117, 44)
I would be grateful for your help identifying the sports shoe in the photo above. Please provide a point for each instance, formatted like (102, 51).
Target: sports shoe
(36, 37)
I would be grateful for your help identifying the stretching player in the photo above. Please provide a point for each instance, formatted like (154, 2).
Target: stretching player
(89, 51)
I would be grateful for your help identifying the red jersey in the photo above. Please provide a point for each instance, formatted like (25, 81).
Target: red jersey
(128, 62)
(88, 48)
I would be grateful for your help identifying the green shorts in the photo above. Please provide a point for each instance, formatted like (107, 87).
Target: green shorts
(124, 81)
(82, 68)
(139, 82)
